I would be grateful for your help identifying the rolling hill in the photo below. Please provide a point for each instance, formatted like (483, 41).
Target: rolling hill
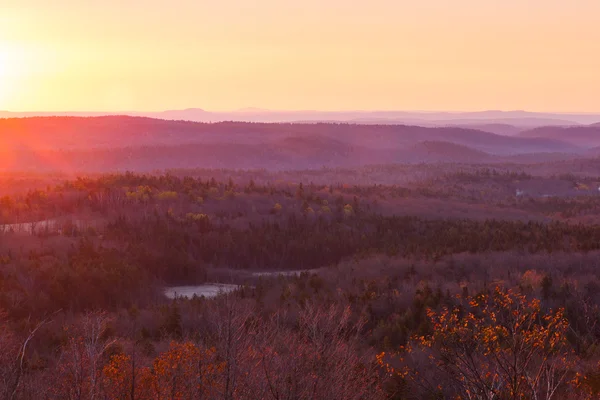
(498, 129)
(584, 136)
(429, 118)
(438, 151)
(145, 144)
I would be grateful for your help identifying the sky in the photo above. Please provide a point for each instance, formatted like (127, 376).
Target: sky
(151, 55)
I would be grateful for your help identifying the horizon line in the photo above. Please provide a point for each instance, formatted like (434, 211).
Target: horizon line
(258, 110)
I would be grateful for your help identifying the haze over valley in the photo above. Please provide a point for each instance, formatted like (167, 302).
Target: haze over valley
(125, 143)
(317, 200)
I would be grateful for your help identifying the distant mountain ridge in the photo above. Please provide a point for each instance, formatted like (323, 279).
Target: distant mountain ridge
(253, 114)
(145, 144)
(111, 131)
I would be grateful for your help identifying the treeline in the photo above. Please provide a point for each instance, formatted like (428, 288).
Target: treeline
(109, 271)
(375, 328)
(104, 198)
(168, 230)
(396, 307)
(301, 242)
(227, 350)
(71, 276)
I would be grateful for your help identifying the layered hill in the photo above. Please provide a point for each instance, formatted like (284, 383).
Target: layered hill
(391, 117)
(143, 144)
(498, 129)
(583, 136)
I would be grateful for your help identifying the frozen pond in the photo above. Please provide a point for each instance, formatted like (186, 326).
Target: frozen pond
(206, 290)
(214, 289)
(46, 225)
(31, 227)
(284, 273)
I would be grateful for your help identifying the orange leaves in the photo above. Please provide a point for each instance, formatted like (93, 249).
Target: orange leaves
(118, 377)
(389, 370)
(184, 371)
(496, 345)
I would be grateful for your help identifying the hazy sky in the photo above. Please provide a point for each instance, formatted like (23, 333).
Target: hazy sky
(85, 55)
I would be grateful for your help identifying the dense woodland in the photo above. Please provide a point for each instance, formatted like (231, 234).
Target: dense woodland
(438, 283)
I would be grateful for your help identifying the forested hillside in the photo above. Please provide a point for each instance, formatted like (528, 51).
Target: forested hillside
(123, 143)
(393, 273)
(299, 200)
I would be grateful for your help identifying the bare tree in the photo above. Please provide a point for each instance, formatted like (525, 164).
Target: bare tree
(12, 357)
(80, 364)
(317, 358)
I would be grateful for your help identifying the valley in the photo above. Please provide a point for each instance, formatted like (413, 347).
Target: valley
(361, 234)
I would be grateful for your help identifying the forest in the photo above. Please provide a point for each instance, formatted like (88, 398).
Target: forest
(299, 200)
(378, 282)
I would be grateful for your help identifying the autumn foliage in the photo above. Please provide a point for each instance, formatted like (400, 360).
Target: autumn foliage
(84, 265)
(185, 371)
(491, 346)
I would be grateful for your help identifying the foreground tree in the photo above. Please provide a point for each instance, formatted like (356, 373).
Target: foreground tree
(319, 359)
(185, 371)
(13, 359)
(496, 346)
(8, 359)
(79, 368)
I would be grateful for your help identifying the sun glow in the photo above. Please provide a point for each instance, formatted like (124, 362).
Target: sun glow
(7, 75)
(433, 55)
(3, 64)
(13, 68)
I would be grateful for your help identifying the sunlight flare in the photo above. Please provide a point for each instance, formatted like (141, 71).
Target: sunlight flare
(12, 67)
